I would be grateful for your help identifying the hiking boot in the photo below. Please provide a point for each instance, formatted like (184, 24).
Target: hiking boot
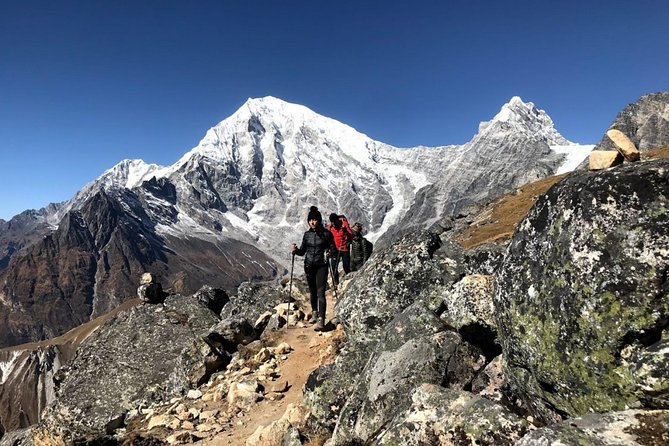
(320, 325)
(314, 318)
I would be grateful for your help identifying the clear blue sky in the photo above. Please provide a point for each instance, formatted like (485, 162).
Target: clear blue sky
(85, 84)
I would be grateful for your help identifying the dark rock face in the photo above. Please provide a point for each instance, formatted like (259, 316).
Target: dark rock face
(22, 230)
(92, 263)
(582, 299)
(252, 300)
(645, 122)
(26, 383)
(143, 355)
(213, 298)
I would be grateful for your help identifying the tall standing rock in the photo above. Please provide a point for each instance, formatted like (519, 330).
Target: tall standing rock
(583, 296)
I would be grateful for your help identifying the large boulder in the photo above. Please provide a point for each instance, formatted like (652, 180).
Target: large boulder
(451, 418)
(254, 299)
(582, 301)
(627, 428)
(413, 268)
(141, 356)
(414, 348)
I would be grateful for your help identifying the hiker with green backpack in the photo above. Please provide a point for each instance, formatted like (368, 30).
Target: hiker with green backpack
(360, 247)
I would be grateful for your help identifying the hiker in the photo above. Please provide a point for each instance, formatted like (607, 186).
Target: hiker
(317, 244)
(341, 232)
(361, 248)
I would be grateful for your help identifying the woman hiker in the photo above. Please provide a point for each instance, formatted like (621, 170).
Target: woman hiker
(317, 244)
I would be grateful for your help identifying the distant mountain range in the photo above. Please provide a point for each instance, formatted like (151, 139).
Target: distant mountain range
(228, 209)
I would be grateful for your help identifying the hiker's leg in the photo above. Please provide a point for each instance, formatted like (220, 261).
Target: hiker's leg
(346, 261)
(321, 279)
(313, 288)
(334, 266)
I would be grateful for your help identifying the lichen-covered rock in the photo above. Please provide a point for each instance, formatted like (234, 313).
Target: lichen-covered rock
(451, 418)
(627, 428)
(413, 268)
(143, 355)
(583, 295)
(413, 349)
(491, 382)
(470, 302)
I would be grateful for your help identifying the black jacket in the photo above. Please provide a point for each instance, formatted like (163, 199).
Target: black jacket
(361, 249)
(315, 243)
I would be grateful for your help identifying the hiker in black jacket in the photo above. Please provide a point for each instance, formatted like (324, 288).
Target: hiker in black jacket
(317, 243)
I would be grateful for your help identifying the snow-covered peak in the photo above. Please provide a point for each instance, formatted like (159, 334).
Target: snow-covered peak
(524, 118)
(282, 121)
(127, 174)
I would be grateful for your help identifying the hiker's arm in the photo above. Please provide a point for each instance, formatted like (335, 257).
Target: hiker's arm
(332, 247)
(299, 251)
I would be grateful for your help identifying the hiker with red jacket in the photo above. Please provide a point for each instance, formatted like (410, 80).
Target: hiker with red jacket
(341, 231)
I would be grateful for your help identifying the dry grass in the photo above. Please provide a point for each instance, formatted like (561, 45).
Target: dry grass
(655, 154)
(77, 334)
(498, 221)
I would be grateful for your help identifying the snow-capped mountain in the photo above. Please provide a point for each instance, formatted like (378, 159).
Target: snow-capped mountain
(228, 210)
(254, 174)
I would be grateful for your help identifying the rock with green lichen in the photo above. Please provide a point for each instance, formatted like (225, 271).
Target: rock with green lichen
(413, 349)
(417, 266)
(451, 418)
(583, 294)
(626, 428)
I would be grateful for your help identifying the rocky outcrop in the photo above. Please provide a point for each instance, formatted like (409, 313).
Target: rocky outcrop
(144, 355)
(645, 122)
(414, 268)
(395, 317)
(582, 298)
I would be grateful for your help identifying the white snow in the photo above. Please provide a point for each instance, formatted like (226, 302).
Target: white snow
(6, 367)
(575, 154)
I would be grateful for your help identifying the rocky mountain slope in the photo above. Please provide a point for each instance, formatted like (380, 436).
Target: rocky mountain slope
(444, 343)
(222, 214)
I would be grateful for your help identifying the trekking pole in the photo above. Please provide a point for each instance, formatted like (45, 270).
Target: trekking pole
(334, 284)
(290, 289)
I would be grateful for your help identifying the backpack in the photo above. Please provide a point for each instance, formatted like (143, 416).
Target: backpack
(368, 247)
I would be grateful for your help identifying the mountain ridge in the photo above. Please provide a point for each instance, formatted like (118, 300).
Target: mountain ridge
(227, 209)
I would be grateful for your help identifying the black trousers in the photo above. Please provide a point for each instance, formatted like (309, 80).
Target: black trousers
(317, 278)
(345, 257)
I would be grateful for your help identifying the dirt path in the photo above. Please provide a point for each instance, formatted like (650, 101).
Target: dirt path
(310, 350)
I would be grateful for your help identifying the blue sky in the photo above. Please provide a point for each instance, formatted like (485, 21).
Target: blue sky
(85, 84)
